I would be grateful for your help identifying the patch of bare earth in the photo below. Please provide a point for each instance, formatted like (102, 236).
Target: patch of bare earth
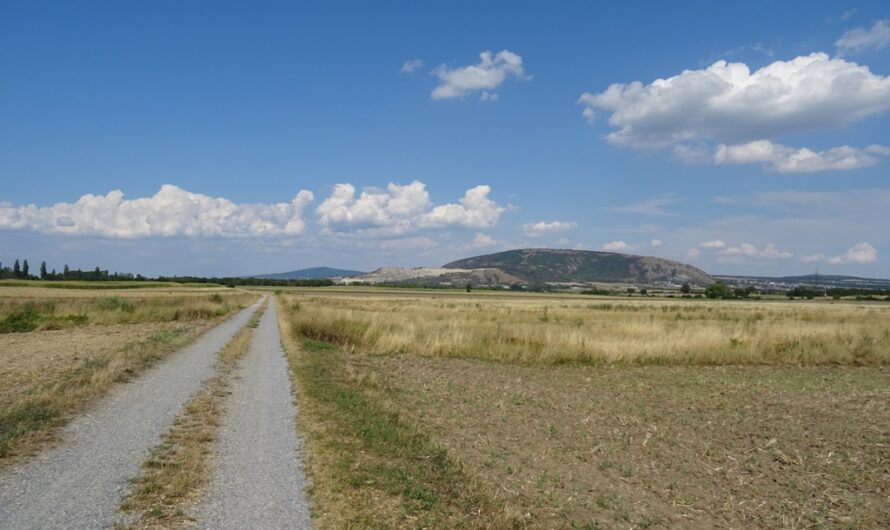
(659, 446)
(31, 360)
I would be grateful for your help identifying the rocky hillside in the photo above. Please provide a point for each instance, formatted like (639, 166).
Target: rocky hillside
(539, 266)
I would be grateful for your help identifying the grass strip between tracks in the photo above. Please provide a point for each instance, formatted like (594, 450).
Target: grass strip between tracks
(177, 470)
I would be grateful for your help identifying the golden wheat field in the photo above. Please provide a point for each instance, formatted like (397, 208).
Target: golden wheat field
(602, 330)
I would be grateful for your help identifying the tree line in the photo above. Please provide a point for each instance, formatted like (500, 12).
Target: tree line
(21, 270)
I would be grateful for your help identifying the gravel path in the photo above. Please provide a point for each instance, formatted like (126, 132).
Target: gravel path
(257, 481)
(80, 483)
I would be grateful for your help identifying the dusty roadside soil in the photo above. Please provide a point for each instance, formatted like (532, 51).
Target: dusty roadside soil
(658, 446)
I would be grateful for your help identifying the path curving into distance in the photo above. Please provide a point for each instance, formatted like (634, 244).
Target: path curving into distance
(257, 479)
(80, 483)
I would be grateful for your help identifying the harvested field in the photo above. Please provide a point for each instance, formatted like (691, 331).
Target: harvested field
(658, 446)
(493, 413)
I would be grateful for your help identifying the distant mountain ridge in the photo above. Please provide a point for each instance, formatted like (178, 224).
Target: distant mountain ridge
(539, 266)
(821, 280)
(312, 273)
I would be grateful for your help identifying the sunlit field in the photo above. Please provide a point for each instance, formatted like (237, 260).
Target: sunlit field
(60, 349)
(603, 330)
(471, 411)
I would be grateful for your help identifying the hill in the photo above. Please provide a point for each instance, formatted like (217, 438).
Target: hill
(313, 273)
(430, 276)
(539, 266)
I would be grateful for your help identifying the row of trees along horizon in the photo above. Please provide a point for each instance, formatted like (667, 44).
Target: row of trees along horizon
(22, 271)
(719, 290)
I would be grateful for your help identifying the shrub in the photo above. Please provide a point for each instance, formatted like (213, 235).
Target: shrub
(116, 303)
(20, 322)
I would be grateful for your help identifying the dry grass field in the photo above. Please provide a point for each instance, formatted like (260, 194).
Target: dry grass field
(62, 348)
(602, 330)
(426, 411)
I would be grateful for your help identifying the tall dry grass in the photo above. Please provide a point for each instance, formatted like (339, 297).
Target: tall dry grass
(596, 331)
(35, 312)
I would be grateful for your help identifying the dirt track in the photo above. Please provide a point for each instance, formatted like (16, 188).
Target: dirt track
(257, 481)
(80, 483)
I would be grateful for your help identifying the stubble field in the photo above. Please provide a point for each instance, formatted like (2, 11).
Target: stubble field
(423, 410)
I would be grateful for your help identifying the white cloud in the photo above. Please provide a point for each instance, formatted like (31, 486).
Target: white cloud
(489, 96)
(396, 207)
(876, 37)
(656, 243)
(616, 246)
(727, 103)
(172, 211)
(401, 209)
(410, 66)
(650, 207)
(790, 160)
(475, 210)
(717, 243)
(693, 254)
(543, 227)
(748, 250)
(489, 74)
(483, 240)
(857, 254)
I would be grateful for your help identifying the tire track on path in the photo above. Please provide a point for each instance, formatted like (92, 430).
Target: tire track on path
(257, 480)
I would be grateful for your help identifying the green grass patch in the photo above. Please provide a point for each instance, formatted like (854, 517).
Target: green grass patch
(20, 321)
(378, 454)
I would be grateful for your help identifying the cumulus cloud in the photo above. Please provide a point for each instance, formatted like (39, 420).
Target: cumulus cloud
(790, 160)
(543, 227)
(487, 75)
(857, 254)
(172, 211)
(656, 243)
(616, 246)
(403, 208)
(481, 240)
(747, 250)
(728, 104)
(856, 40)
(410, 66)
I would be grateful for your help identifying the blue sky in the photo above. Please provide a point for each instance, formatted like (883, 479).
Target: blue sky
(242, 136)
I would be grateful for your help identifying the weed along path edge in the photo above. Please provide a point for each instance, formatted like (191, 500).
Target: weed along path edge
(80, 483)
(257, 480)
